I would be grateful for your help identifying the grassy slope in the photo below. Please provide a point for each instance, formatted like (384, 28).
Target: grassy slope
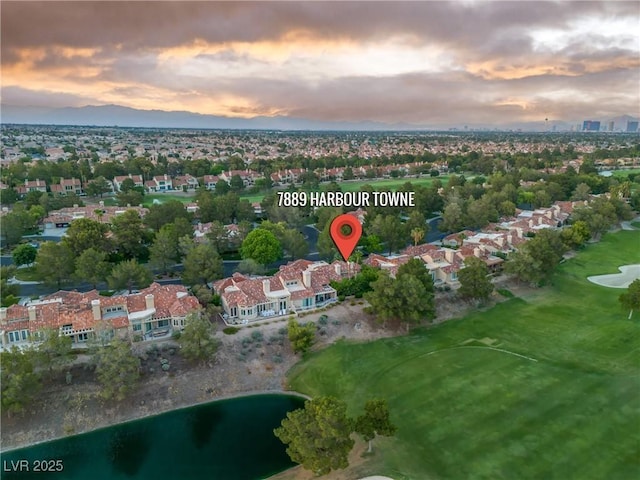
(473, 412)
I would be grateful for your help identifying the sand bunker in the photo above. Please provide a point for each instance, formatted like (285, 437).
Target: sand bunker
(618, 280)
(376, 477)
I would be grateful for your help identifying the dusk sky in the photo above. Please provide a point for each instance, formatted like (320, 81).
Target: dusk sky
(428, 63)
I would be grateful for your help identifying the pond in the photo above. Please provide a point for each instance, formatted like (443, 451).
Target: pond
(228, 439)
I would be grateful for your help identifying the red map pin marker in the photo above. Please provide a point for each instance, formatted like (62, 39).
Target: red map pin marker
(346, 232)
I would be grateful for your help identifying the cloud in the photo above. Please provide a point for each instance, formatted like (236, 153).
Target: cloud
(389, 61)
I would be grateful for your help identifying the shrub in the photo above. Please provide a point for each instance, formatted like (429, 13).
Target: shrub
(323, 320)
(277, 358)
(230, 330)
(257, 336)
(166, 366)
(176, 334)
(341, 298)
(505, 293)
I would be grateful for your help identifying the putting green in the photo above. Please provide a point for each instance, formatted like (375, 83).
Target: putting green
(548, 388)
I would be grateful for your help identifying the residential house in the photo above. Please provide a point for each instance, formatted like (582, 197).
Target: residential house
(32, 186)
(152, 313)
(160, 183)
(62, 218)
(67, 186)
(209, 181)
(137, 181)
(298, 286)
(185, 182)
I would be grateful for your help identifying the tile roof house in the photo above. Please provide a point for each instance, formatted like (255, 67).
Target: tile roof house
(67, 186)
(185, 182)
(153, 312)
(62, 218)
(137, 181)
(32, 186)
(210, 181)
(160, 183)
(298, 286)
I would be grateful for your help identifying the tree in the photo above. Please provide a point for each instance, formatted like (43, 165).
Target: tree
(127, 185)
(15, 224)
(164, 250)
(326, 247)
(129, 234)
(236, 183)
(117, 369)
(404, 298)
(8, 293)
(631, 298)
(164, 213)
(54, 263)
(55, 348)
(8, 196)
(452, 218)
(20, 383)
(262, 246)
(128, 274)
(581, 192)
(374, 421)
(85, 233)
(417, 268)
(318, 436)
(202, 265)
(576, 235)
(98, 186)
(197, 342)
(417, 234)
(301, 336)
(92, 266)
(294, 243)
(222, 187)
(390, 230)
(131, 197)
(24, 254)
(474, 281)
(536, 260)
(218, 235)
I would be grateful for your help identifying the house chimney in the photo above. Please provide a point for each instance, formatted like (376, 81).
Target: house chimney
(101, 203)
(476, 252)
(448, 255)
(338, 268)
(3, 314)
(149, 301)
(306, 278)
(95, 308)
(266, 286)
(32, 313)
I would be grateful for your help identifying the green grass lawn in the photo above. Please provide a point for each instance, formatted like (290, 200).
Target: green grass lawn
(165, 197)
(467, 406)
(27, 274)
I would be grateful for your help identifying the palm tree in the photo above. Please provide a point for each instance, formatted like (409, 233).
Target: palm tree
(417, 234)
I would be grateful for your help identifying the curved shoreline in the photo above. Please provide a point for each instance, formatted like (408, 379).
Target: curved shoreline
(141, 417)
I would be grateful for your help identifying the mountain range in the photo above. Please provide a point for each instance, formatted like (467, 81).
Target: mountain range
(116, 115)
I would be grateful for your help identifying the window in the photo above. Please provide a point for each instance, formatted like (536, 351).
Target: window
(67, 328)
(137, 327)
(18, 336)
(454, 276)
(234, 312)
(117, 308)
(82, 337)
(163, 323)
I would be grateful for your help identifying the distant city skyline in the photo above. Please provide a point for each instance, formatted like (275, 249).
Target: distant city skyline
(434, 64)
